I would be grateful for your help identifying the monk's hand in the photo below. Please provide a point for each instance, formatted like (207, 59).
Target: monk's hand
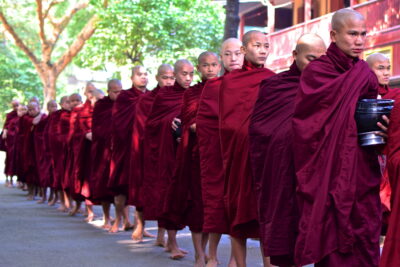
(193, 127)
(178, 140)
(89, 136)
(383, 127)
(175, 124)
(4, 136)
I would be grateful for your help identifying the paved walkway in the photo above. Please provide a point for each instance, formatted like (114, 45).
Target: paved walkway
(34, 234)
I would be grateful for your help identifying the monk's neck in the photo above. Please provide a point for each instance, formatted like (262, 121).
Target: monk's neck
(247, 65)
(142, 89)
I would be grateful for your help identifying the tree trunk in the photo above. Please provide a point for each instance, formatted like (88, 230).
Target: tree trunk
(232, 19)
(49, 79)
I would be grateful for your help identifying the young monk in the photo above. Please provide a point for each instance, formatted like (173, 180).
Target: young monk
(101, 150)
(165, 77)
(207, 125)
(122, 125)
(160, 148)
(270, 135)
(9, 138)
(52, 107)
(20, 144)
(183, 204)
(337, 180)
(237, 96)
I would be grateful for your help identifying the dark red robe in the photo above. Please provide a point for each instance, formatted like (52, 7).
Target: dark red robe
(11, 125)
(78, 162)
(160, 149)
(337, 179)
(40, 146)
(29, 162)
(143, 109)
(237, 97)
(57, 146)
(24, 128)
(101, 150)
(183, 203)
(271, 155)
(391, 248)
(61, 160)
(122, 126)
(211, 170)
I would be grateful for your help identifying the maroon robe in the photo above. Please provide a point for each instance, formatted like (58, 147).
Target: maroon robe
(337, 179)
(271, 155)
(211, 170)
(30, 166)
(11, 125)
(101, 150)
(56, 147)
(123, 117)
(183, 203)
(24, 127)
(391, 248)
(43, 161)
(160, 148)
(78, 162)
(61, 159)
(143, 109)
(237, 97)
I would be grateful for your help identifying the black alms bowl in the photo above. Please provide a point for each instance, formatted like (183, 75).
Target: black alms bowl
(368, 113)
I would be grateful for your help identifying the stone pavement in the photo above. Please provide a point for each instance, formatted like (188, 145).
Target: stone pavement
(38, 235)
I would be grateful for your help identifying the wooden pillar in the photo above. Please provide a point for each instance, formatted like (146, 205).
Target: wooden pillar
(298, 17)
(271, 17)
(307, 10)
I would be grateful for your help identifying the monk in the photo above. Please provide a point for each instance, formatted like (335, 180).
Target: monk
(122, 125)
(337, 179)
(271, 154)
(207, 129)
(237, 96)
(160, 148)
(183, 204)
(101, 150)
(165, 77)
(20, 143)
(57, 131)
(8, 139)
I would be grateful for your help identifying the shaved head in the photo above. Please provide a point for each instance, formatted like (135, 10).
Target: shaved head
(343, 16)
(64, 103)
(139, 77)
(34, 99)
(165, 75)
(33, 108)
(63, 99)
(183, 71)
(14, 104)
(231, 56)
(181, 63)
(204, 55)
(208, 65)
(255, 48)
(248, 36)
(75, 100)
(52, 106)
(380, 65)
(22, 110)
(114, 88)
(308, 48)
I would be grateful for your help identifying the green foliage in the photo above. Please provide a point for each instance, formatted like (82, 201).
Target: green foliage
(133, 31)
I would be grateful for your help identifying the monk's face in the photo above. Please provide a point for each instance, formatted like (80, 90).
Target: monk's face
(231, 56)
(307, 54)
(165, 78)
(65, 104)
(14, 105)
(139, 78)
(184, 75)
(209, 67)
(21, 111)
(382, 71)
(74, 101)
(51, 107)
(256, 51)
(33, 109)
(350, 38)
(114, 90)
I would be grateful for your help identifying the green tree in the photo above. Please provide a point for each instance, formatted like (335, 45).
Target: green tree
(131, 31)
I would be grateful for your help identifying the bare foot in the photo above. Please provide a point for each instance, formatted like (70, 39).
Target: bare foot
(106, 226)
(137, 238)
(212, 263)
(52, 203)
(40, 201)
(176, 254)
(168, 249)
(62, 209)
(30, 197)
(114, 228)
(128, 227)
(147, 234)
(159, 243)
(89, 218)
(200, 262)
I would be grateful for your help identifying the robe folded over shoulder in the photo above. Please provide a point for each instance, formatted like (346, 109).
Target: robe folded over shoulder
(78, 163)
(57, 146)
(337, 179)
(237, 97)
(211, 170)
(43, 161)
(143, 109)
(30, 167)
(271, 155)
(61, 159)
(183, 201)
(11, 125)
(9, 117)
(160, 149)
(22, 159)
(101, 150)
(122, 126)
(391, 248)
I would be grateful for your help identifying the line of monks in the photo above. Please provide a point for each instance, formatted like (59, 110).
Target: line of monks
(250, 153)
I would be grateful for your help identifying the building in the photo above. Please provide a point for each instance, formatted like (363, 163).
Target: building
(287, 20)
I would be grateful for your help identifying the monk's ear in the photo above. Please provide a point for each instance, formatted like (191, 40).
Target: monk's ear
(294, 54)
(198, 68)
(333, 35)
(243, 49)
